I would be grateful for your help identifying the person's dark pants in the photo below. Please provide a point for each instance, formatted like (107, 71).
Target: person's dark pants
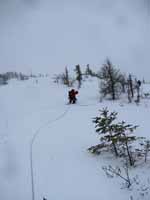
(72, 100)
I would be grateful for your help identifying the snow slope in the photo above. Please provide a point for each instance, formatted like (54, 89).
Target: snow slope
(61, 134)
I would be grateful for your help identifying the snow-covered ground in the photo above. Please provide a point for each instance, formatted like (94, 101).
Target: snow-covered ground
(63, 169)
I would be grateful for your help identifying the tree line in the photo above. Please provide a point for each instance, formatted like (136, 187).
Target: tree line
(113, 83)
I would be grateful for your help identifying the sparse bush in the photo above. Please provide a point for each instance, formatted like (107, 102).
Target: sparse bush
(117, 171)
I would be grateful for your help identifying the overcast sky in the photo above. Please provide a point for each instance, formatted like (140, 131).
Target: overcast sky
(47, 35)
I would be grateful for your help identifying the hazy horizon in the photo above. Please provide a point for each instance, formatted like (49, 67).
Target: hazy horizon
(45, 36)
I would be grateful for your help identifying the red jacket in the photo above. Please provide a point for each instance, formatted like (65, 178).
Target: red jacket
(72, 93)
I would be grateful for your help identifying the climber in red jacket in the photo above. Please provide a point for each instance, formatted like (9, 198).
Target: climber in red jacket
(72, 96)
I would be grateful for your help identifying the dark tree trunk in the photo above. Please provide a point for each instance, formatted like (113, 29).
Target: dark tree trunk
(129, 155)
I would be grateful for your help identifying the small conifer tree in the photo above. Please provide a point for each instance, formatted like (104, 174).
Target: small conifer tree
(66, 77)
(125, 138)
(78, 75)
(104, 126)
(130, 83)
(123, 82)
(111, 79)
(89, 72)
(114, 135)
(146, 149)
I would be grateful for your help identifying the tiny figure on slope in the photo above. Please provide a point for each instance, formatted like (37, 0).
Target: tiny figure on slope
(72, 96)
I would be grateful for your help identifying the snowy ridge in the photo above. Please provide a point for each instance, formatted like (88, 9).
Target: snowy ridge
(36, 123)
